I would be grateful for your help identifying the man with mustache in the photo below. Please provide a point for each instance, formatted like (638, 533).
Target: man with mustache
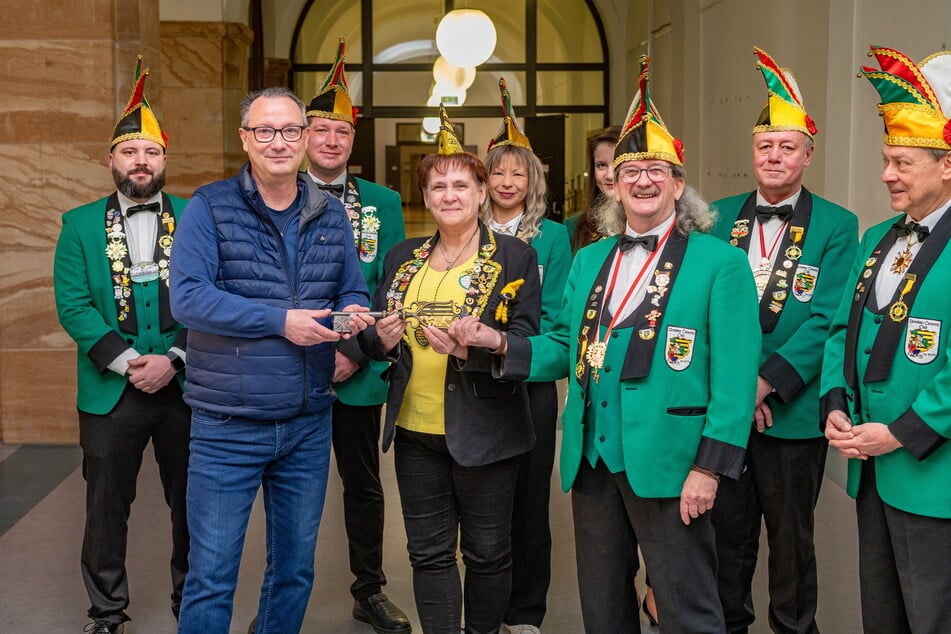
(111, 283)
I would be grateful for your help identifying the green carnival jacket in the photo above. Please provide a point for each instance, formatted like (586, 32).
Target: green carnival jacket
(881, 370)
(380, 227)
(554, 260)
(793, 338)
(85, 302)
(683, 397)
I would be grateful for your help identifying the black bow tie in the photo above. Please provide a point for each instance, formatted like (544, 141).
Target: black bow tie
(765, 212)
(905, 228)
(626, 242)
(134, 209)
(336, 190)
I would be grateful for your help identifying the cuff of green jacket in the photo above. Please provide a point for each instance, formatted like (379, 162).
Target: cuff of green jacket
(915, 435)
(516, 363)
(834, 399)
(107, 350)
(783, 377)
(720, 457)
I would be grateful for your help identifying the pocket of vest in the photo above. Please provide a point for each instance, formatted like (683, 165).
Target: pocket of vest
(687, 411)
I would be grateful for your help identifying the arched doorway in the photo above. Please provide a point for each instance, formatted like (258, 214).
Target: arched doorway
(552, 53)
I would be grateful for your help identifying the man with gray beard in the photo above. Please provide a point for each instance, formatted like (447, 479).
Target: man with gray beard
(111, 284)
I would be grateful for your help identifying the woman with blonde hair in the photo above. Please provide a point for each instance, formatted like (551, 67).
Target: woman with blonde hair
(516, 206)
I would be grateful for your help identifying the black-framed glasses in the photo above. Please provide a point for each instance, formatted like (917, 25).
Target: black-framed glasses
(266, 134)
(655, 173)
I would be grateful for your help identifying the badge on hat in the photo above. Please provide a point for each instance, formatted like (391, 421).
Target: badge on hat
(784, 109)
(137, 120)
(921, 340)
(645, 136)
(332, 99)
(916, 98)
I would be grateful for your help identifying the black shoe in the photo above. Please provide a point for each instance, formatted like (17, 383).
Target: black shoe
(104, 627)
(382, 614)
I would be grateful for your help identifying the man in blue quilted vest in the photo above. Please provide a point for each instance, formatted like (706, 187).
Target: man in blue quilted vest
(263, 257)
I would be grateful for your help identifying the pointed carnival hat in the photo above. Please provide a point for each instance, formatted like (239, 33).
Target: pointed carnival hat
(784, 109)
(332, 99)
(446, 141)
(137, 120)
(644, 135)
(916, 98)
(509, 133)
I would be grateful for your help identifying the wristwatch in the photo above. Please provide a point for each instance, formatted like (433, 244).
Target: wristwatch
(178, 363)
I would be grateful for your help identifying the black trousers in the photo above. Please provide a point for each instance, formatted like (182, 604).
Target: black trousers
(779, 485)
(356, 443)
(531, 527)
(681, 559)
(904, 565)
(113, 446)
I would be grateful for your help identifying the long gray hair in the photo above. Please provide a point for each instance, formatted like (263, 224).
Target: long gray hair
(693, 213)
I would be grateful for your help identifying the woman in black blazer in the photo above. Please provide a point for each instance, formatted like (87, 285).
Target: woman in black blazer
(457, 430)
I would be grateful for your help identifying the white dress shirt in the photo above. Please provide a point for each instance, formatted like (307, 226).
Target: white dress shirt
(632, 262)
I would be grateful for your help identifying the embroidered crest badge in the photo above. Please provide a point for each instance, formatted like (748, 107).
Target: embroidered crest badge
(369, 234)
(922, 337)
(804, 284)
(678, 352)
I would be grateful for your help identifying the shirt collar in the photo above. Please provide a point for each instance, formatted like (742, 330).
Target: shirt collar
(931, 220)
(791, 201)
(125, 202)
(659, 230)
(509, 227)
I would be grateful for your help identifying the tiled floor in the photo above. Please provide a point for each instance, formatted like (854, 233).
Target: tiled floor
(41, 589)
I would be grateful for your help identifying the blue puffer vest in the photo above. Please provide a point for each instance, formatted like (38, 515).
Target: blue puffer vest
(271, 378)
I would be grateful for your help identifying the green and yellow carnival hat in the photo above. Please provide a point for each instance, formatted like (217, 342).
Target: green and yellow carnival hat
(332, 99)
(916, 98)
(509, 133)
(137, 120)
(645, 136)
(446, 141)
(784, 109)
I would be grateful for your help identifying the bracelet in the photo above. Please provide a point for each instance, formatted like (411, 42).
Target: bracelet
(503, 343)
(712, 474)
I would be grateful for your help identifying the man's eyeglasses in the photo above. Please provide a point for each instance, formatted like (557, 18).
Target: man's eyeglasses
(266, 134)
(655, 173)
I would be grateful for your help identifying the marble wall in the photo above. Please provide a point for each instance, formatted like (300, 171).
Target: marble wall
(66, 72)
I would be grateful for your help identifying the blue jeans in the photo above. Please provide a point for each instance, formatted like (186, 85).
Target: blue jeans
(440, 500)
(230, 458)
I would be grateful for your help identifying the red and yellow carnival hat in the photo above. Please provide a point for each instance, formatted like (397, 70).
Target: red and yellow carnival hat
(509, 133)
(784, 109)
(332, 99)
(645, 136)
(137, 120)
(916, 98)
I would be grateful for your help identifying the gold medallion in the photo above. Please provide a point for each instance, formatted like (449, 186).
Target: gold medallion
(898, 311)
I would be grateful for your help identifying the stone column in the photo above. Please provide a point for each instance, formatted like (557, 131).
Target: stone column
(205, 79)
(66, 75)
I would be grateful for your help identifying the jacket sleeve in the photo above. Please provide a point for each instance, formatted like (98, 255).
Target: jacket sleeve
(555, 272)
(197, 301)
(795, 364)
(734, 361)
(77, 310)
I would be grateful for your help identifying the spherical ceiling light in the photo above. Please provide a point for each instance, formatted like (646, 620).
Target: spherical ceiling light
(466, 37)
(431, 124)
(446, 73)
